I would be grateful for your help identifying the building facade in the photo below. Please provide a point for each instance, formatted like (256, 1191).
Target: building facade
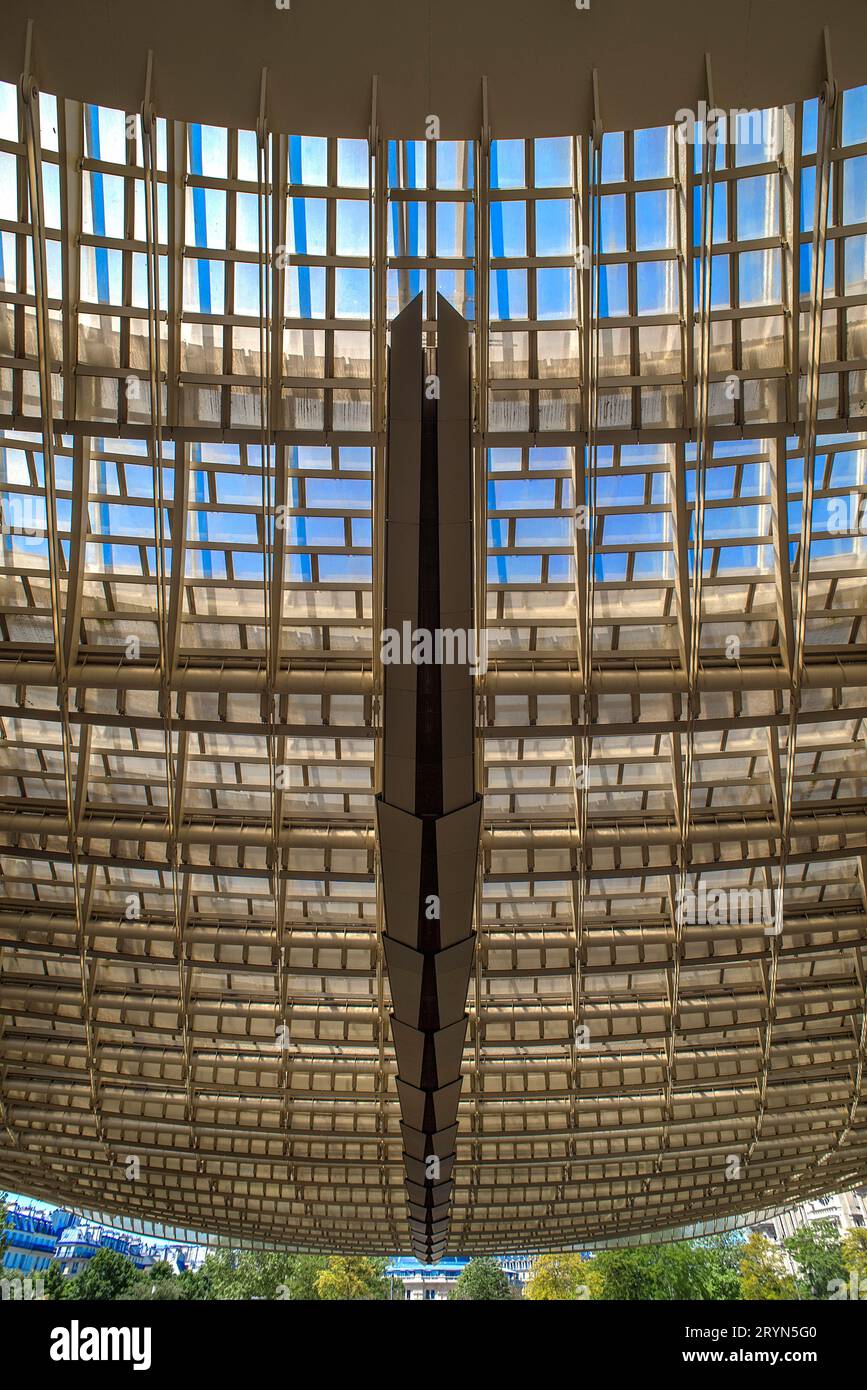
(32, 1236)
(36, 1236)
(435, 1282)
(847, 1210)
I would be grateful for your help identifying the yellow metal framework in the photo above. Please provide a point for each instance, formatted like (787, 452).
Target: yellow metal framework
(669, 490)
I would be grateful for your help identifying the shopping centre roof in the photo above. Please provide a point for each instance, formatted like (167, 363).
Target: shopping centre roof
(670, 349)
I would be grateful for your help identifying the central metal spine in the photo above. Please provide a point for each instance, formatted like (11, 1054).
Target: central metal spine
(429, 815)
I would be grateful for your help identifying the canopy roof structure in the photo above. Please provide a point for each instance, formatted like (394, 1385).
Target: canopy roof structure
(667, 1009)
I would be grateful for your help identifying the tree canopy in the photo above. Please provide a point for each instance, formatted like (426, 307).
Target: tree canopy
(817, 1249)
(352, 1277)
(560, 1276)
(108, 1275)
(680, 1270)
(854, 1252)
(764, 1272)
(482, 1279)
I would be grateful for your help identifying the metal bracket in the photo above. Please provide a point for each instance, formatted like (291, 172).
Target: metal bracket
(829, 86)
(262, 119)
(29, 89)
(373, 129)
(596, 130)
(147, 108)
(708, 78)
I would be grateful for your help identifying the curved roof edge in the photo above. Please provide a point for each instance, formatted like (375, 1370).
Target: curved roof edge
(181, 1235)
(322, 55)
(697, 1230)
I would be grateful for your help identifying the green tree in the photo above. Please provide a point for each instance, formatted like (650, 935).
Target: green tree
(55, 1284)
(722, 1268)
(763, 1271)
(156, 1284)
(854, 1252)
(299, 1282)
(244, 1274)
(482, 1279)
(352, 1277)
(106, 1276)
(685, 1270)
(559, 1276)
(817, 1250)
(195, 1285)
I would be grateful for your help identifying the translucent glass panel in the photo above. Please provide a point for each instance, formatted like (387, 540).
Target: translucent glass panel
(327, 291)
(430, 236)
(213, 535)
(533, 285)
(305, 243)
(643, 495)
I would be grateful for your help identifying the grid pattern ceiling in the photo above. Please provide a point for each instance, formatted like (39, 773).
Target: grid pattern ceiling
(669, 478)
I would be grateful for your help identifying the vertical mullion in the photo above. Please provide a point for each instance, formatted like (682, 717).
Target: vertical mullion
(532, 295)
(790, 214)
(685, 193)
(632, 276)
(279, 233)
(330, 283)
(585, 293)
(480, 538)
(176, 153)
(229, 305)
(71, 143)
(430, 227)
(836, 220)
(126, 274)
(25, 216)
(731, 195)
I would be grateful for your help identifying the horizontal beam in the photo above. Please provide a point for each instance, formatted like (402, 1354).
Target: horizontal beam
(619, 836)
(228, 679)
(528, 678)
(662, 680)
(502, 439)
(19, 923)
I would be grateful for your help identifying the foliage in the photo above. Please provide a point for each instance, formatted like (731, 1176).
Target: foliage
(691, 1270)
(854, 1252)
(225, 1275)
(482, 1279)
(195, 1285)
(560, 1276)
(721, 1266)
(228, 1274)
(163, 1291)
(55, 1283)
(244, 1274)
(352, 1277)
(764, 1274)
(156, 1284)
(300, 1279)
(106, 1276)
(817, 1249)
